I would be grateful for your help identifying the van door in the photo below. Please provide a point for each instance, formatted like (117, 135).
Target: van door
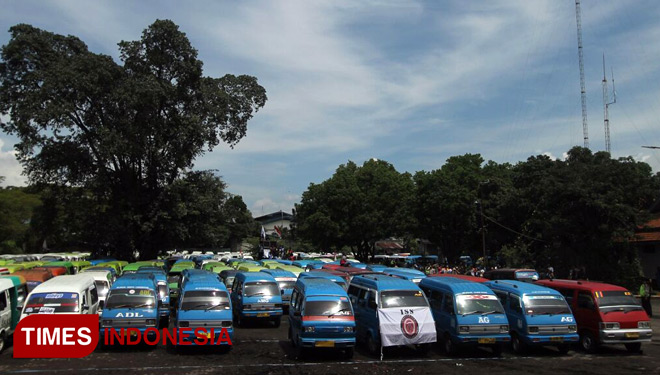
(93, 300)
(296, 307)
(84, 302)
(371, 312)
(446, 317)
(5, 311)
(586, 314)
(516, 317)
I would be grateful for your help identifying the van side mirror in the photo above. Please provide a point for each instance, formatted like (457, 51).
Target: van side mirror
(101, 304)
(85, 307)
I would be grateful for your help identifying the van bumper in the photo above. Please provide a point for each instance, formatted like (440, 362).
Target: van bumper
(625, 336)
(552, 339)
(475, 340)
(330, 342)
(267, 314)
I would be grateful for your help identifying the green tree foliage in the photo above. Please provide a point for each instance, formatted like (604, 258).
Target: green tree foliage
(356, 207)
(16, 208)
(123, 133)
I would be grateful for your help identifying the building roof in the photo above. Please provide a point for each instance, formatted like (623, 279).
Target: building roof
(273, 217)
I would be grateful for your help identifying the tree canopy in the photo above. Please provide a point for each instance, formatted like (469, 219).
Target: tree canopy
(124, 133)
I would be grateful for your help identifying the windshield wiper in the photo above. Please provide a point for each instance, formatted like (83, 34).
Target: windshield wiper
(119, 307)
(256, 294)
(491, 312)
(472, 312)
(338, 311)
(216, 305)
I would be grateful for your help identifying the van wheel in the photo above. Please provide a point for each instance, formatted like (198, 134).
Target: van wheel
(518, 346)
(634, 347)
(2, 341)
(372, 345)
(449, 346)
(588, 342)
(563, 349)
(277, 321)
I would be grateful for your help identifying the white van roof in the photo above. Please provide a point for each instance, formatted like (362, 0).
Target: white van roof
(102, 275)
(6, 284)
(65, 284)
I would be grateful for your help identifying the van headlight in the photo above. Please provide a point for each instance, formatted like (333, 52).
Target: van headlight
(504, 328)
(151, 322)
(309, 329)
(464, 329)
(610, 325)
(533, 329)
(572, 328)
(108, 323)
(348, 329)
(184, 324)
(646, 324)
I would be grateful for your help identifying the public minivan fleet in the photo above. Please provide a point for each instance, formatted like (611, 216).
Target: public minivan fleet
(64, 294)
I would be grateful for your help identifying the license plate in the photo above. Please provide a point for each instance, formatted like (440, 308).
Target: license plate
(557, 339)
(130, 333)
(632, 335)
(208, 335)
(486, 341)
(262, 315)
(325, 344)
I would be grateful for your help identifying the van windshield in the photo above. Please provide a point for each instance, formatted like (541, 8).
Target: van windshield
(261, 288)
(205, 300)
(130, 298)
(339, 307)
(173, 279)
(541, 305)
(286, 284)
(617, 299)
(50, 303)
(467, 304)
(402, 298)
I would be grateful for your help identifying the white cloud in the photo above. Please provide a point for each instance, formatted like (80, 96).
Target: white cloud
(10, 168)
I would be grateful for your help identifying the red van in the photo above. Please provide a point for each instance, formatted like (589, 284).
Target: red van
(605, 314)
(475, 279)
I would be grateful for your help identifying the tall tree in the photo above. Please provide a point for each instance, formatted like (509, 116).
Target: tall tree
(123, 132)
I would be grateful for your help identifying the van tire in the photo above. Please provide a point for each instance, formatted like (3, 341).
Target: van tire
(634, 347)
(518, 345)
(588, 343)
(563, 349)
(3, 339)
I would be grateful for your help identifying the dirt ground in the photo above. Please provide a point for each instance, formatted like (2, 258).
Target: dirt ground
(261, 349)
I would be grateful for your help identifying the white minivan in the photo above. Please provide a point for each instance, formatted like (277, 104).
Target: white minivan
(66, 294)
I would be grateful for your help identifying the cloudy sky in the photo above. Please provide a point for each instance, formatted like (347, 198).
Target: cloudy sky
(410, 82)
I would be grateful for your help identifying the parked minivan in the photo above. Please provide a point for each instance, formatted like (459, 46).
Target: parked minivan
(256, 295)
(605, 314)
(336, 278)
(131, 303)
(520, 274)
(393, 309)
(12, 296)
(63, 295)
(466, 314)
(321, 316)
(537, 315)
(103, 281)
(204, 302)
(286, 280)
(405, 273)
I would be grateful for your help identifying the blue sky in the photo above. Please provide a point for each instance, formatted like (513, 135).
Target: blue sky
(410, 82)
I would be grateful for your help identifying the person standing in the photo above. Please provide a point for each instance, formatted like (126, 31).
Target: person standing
(645, 292)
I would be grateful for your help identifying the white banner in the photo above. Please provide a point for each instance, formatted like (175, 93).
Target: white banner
(406, 326)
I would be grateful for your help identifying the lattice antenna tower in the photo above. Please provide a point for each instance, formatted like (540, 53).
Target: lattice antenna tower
(606, 106)
(583, 89)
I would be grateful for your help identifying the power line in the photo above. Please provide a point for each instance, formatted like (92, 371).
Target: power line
(511, 230)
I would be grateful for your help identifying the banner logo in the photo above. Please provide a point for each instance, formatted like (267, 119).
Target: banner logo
(409, 326)
(56, 336)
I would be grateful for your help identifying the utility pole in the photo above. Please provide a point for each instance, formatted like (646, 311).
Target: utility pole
(483, 232)
(606, 106)
(583, 89)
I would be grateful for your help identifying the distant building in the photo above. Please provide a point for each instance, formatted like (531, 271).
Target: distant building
(278, 219)
(647, 241)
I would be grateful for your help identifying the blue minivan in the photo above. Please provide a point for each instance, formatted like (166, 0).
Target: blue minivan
(204, 303)
(132, 302)
(286, 280)
(537, 315)
(321, 316)
(163, 291)
(339, 280)
(256, 295)
(390, 311)
(466, 314)
(405, 273)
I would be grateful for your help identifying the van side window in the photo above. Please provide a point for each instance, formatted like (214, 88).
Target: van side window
(586, 301)
(294, 303)
(501, 296)
(514, 303)
(3, 300)
(448, 303)
(94, 295)
(21, 292)
(568, 295)
(353, 292)
(371, 300)
(362, 296)
(84, 298)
